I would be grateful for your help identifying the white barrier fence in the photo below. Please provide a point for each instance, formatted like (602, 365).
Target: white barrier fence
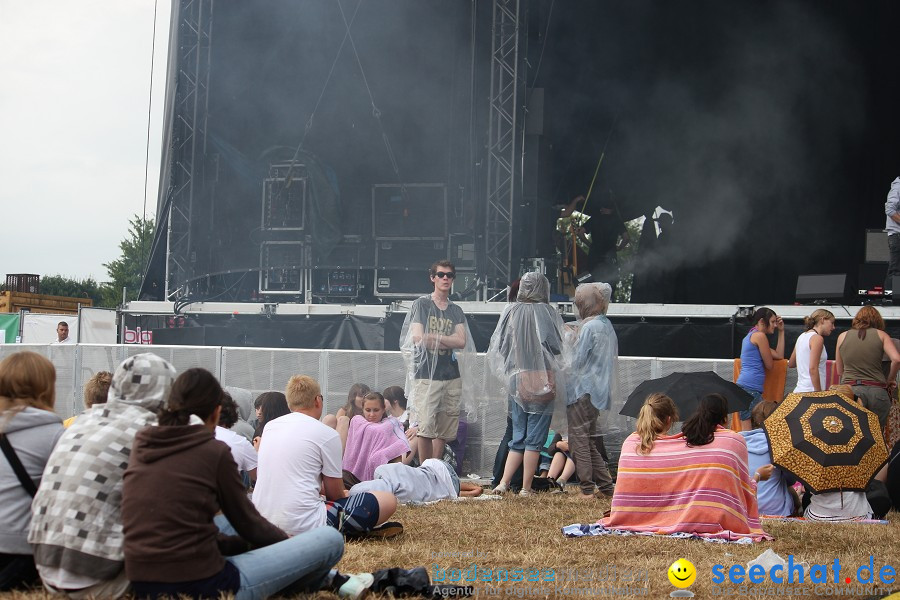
(260, 369)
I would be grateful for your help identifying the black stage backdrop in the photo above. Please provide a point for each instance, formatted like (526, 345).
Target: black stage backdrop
(768, 127)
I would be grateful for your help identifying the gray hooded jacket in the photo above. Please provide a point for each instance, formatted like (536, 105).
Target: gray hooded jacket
(32, 433)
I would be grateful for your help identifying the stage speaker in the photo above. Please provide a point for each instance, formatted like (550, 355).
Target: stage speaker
(895, 284)
(872, 275)
(877, 246)
(821, 287)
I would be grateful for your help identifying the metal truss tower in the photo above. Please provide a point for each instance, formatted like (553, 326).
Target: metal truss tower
(503, 188)
(188, 149)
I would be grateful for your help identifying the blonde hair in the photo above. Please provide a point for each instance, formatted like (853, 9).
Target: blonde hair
(657, 414)
(817, 316)
(97, 388)
(301, 392)
(27, 379)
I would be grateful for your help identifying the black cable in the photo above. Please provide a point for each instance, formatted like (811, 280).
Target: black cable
(147, 153)
(309, 121)
(376, 112)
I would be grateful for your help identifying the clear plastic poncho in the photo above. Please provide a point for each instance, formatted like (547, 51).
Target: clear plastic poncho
(526, 350)
(593, 348)
(437, 347)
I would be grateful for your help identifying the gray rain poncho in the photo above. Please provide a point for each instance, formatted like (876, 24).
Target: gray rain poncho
(526, 349)
(437, 347)
(593, 367)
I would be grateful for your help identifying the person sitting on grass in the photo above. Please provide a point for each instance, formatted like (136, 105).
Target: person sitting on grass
(774, 495)
(353, 407)
(271, 406)
(76, 531)
(242, 451)
(695, 482)
(29, 429)
(176, 544)
(373, 440)
(396, 398)
(562, 467)
(95, 391)
(301, 461)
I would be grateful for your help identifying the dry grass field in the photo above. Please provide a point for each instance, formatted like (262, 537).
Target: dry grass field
(524, 533)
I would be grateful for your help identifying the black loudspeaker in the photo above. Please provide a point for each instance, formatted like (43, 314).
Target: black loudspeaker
(821, 287)
(895, 284)
(872, 275)
(877, 250)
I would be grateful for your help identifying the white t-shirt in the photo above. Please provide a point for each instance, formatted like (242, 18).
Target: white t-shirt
(243, 452)
(65, 342)
(294, 453)
(838, 506)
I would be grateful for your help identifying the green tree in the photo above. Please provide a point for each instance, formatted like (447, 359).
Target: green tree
(127, 270)
(59, 285)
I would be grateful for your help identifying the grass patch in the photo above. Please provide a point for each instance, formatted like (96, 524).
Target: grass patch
(524, 533)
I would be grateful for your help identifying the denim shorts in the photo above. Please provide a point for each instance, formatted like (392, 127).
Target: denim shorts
(757, 398)
(529, 430)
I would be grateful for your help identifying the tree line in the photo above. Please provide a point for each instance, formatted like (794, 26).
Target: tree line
(125, 271)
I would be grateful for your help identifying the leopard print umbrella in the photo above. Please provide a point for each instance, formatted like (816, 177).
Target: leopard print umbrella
(827, 441)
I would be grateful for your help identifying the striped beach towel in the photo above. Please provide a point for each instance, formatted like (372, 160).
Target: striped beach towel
(703, 490)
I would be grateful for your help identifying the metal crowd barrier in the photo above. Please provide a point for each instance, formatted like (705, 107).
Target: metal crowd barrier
(261, 369)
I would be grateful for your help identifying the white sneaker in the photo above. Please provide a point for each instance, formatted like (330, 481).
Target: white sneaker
(524, 492)
(500, 489)
(357, 586)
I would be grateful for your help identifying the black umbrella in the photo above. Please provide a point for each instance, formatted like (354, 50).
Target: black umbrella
(686, 390)
(829, 442)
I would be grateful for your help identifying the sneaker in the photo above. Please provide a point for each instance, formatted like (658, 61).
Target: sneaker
(524, 492)
(387, 529)
(357, 586)
(500, 489)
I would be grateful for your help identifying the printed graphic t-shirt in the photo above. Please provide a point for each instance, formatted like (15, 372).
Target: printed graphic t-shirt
(440, 365)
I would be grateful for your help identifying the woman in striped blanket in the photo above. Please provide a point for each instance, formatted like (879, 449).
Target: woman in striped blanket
(695, 482)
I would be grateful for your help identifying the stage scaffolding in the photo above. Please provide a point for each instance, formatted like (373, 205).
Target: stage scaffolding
(194, 23)
(507, 87)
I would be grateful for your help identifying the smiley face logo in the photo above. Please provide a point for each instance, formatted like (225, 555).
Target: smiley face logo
(682, 573)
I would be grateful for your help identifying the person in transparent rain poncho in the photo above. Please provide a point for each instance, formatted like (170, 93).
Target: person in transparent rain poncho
(592, 384)
(526, 355)
(436, 344)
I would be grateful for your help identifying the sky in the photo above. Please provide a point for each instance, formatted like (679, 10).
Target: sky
(75, 80)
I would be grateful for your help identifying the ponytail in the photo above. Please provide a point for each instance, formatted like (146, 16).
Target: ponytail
(173, 418)
(700, 429)
(657, 414)
(818, 315)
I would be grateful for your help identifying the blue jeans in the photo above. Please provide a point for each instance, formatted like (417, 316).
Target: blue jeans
(757, 398)
(529, 430)
(303, 561)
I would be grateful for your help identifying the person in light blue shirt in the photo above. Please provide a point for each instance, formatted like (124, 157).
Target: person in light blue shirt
(774, 495)
(592, 385)
(892, 226)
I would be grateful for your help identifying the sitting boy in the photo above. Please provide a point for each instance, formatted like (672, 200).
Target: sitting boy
(300, 461)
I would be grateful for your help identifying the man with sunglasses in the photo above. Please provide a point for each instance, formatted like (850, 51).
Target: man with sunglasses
(434, 335)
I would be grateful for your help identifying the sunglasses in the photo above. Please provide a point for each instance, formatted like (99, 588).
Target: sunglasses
(442, 274)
